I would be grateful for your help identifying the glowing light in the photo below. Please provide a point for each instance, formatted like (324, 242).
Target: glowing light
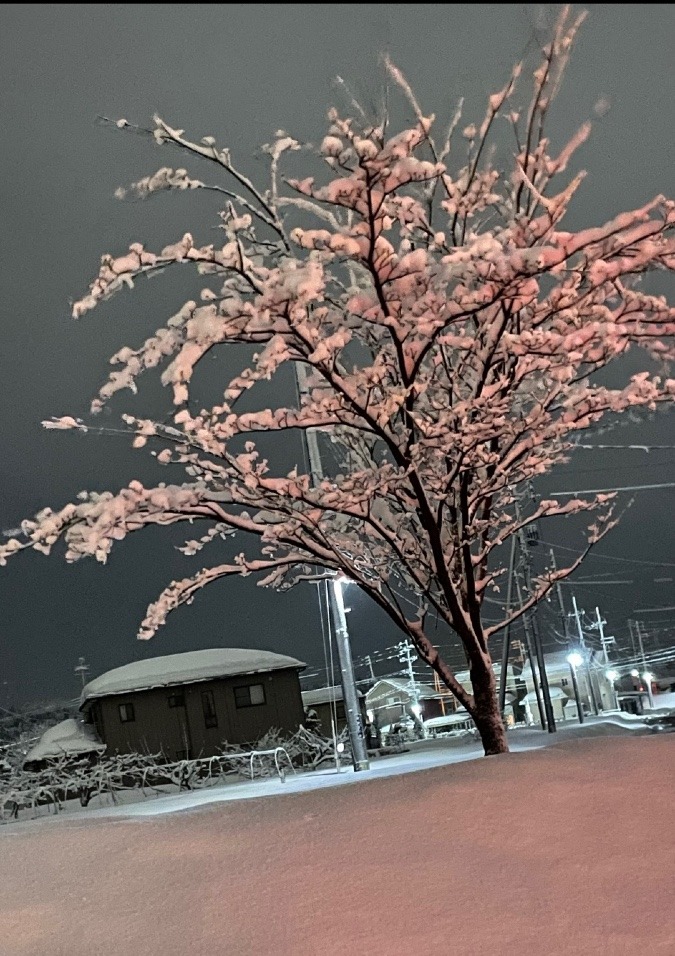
(575, 659)
(612, 675)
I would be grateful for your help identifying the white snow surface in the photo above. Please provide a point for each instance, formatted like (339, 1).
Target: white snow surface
(67, 737)
(559, 850)
(185, 669)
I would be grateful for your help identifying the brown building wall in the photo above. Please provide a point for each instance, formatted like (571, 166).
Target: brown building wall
(323, 712)
(182, 731)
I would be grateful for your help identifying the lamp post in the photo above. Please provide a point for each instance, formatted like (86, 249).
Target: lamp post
(613, 676)
(576, 660)
(352, 712)
(638, 687)
(335, 602)
(648, 677)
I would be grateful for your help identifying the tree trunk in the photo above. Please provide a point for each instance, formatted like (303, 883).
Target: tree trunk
(486, 714)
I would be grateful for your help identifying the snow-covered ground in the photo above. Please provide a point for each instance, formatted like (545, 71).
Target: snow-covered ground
(557, 850)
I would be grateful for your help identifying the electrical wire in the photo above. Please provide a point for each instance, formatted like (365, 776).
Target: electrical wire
(608, 557)
(597, 491)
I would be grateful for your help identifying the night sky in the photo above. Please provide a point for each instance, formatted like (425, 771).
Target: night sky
(240, 72)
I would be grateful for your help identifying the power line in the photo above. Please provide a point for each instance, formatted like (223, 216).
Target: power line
(596, 491)
(610, 557)
(652, 610)
(646, 448)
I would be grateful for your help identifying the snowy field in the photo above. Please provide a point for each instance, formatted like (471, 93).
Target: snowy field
(562, 849)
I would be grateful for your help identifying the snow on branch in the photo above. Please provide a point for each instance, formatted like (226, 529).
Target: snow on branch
(446, 331)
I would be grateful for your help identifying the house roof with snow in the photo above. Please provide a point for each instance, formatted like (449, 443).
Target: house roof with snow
(555, 693)
(556, 662)
(461, 716)
(464, 677)
(70, 737)
(187, 668)
(324, 695)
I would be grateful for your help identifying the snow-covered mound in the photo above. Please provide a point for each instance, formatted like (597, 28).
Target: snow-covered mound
(70, 737)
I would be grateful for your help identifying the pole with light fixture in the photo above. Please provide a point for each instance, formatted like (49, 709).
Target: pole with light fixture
(613, 676)
(582, 644)
(349, 693)
(576, 660)
(336, 607)
(648, 677)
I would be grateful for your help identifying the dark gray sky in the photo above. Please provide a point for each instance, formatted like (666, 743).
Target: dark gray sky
(239, 72)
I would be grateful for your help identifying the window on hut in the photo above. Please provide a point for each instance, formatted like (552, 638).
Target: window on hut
(250, 695)
(209, 708)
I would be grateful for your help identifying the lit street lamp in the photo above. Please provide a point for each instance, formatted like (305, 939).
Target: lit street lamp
(352, 713)
(417, 711)
(576, 660)
(648, 678)
(613, 676)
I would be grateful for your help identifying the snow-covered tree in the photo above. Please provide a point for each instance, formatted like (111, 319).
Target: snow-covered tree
(445, 329)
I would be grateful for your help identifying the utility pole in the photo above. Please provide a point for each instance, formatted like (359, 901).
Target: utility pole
(349, 692)
(606, 641)
(507, 630)
(561, 603)
(582, 643)
(532, 633)
(82, 669)
(337, 608)
(645, 670)
(405, 657)
(536, 677)
(638, 631)
(439, 691)
(632, 639)
(564, 621)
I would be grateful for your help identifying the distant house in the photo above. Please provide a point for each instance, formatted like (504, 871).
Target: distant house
(514, 691)
(391, 700)
(564, 707)
(452, 722)
(188, 705)
(591, 680)
(69, 738)
(326, 701)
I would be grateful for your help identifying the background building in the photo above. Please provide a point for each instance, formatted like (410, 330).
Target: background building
(391, 700)
(591, 679)
(327, 703)
(188, 705)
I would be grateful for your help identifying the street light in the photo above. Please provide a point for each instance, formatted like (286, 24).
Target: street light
(613, 676)
(352, 713)
(417, 711)
(576, 660)
(648, 677)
